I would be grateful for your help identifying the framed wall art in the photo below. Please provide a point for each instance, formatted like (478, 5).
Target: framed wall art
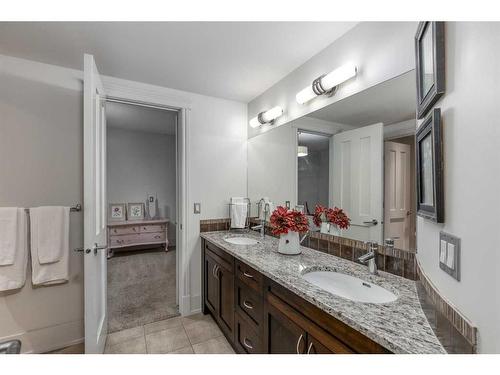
(430, 65)
(429, 168)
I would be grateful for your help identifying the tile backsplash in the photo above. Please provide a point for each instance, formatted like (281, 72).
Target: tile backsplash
(395, 261)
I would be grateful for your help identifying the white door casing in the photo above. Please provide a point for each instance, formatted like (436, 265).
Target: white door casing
(95, 218)
(357, 180)
(397, 193)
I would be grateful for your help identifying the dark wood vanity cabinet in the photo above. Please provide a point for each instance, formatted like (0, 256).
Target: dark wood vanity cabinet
(218, 288)
(258, 315)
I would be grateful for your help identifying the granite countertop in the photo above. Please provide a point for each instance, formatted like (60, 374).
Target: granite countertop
(399, 326)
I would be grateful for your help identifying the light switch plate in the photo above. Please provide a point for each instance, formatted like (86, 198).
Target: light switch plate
(197, 208)
(449, 262)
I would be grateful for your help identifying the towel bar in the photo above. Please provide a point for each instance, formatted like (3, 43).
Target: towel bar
(75, 208)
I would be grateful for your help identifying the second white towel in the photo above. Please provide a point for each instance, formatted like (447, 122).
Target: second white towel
(49, 245)
(239, 211)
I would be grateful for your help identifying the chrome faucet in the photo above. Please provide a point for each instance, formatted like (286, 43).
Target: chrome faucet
(370, 258)
(262, 225)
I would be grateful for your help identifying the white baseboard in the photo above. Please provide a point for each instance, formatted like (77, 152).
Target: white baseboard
(50, 338)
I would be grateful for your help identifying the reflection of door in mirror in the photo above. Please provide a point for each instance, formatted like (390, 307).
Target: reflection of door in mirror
(399, 192)
(357, 180)
(313, 165)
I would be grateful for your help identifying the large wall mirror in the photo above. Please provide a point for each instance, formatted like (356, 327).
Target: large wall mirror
(357, 154)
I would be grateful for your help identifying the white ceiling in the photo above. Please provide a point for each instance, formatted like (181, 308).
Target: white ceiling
(137, 118)
(232, 60)
(389, 102)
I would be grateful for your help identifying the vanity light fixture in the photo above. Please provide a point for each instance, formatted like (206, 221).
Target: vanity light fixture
(302, 151)
(266, 117)
(327, 83)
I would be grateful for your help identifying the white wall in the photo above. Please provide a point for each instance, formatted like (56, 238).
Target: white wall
(44, 154)
(140, 163)
(41, 163)
(380, 50)
(471, 131)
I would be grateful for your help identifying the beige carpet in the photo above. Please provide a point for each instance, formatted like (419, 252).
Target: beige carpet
(141, 288)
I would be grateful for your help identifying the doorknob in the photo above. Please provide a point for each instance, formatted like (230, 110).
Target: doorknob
(372, 222)
(98, 247)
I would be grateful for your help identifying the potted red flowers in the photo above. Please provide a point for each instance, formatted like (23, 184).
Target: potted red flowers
(331, 220)
(288, 224)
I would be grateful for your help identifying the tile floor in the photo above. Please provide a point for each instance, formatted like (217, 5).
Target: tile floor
(196, 334)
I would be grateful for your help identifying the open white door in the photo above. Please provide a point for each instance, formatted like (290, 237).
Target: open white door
(357, 180)
(397, 195)
(181, 238)
(95, 254)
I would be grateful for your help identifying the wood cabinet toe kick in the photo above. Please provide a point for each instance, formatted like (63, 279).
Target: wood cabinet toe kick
(260, 316)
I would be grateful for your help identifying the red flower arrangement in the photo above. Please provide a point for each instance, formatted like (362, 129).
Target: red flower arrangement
(335, 215)
(284, 220)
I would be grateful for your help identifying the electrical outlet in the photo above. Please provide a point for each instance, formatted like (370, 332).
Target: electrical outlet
(449, 254)
(197, 208)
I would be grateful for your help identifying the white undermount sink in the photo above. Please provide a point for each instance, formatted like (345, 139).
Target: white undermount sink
(349, 287)
(241, 240)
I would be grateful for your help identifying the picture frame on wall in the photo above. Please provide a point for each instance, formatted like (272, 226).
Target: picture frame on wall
(117, 212)
(430, 65)
(429, 168)
(135, 211)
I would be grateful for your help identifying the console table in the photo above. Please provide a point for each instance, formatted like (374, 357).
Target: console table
(125, 234)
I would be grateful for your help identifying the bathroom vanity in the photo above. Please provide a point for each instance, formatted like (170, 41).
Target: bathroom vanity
(263, 304)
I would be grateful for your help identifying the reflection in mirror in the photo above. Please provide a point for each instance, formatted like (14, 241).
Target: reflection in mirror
(356, 155)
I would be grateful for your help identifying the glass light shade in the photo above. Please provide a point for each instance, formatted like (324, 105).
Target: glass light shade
(254, 123)
(328, 82)
(302, 151)
(267, 117)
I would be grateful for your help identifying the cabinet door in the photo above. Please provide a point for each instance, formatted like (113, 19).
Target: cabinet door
(226, 299)
(282, 335)
(211, 291)
(316, 347)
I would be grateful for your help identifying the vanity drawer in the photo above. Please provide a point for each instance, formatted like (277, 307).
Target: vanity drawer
(125, 230)
(153, 228)
(249, 303)
(249, 276)
(246, 338)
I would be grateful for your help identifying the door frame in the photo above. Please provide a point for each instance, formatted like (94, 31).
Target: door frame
(163, 98)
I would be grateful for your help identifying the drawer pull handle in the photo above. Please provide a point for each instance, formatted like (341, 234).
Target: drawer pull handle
(298, 343)
(250, 276)
(247, 343)
(248, 305)
(134, 229)
(311, 346)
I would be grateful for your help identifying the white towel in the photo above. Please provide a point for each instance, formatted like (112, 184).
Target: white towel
(49, 245)
(239, 211)
(14, 276)
(8, 235)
